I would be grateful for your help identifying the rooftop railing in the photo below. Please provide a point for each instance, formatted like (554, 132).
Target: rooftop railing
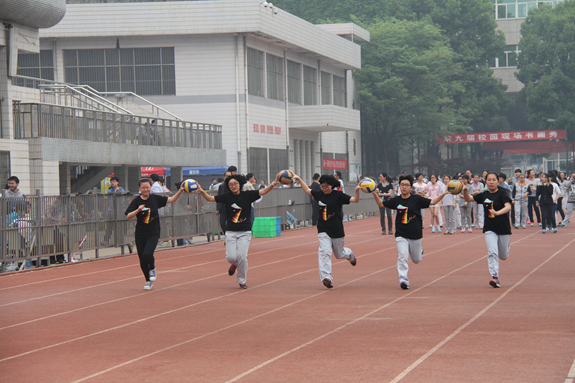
(32, 120)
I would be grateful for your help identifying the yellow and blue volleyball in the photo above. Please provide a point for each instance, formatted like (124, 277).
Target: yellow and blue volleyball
(454, 187)
(286, 177)
(367, 185)
(190, 186)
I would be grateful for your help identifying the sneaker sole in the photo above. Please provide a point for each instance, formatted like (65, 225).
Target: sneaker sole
(243, 287)
(494, 284)
(327, 283)
(404, 286)
(354, 262)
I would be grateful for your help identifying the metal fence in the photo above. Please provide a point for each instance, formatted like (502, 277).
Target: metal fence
(33, 120)
(36, 227)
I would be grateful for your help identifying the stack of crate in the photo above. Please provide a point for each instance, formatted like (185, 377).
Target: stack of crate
(266, 227)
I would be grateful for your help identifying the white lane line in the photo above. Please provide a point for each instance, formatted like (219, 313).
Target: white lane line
(119, 267)
(162, 289)
(461, 328)
(358, 319)
(127, 279)
(571, 375)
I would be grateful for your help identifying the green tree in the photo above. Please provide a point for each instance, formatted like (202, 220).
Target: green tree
(547, 66)
(405, 88)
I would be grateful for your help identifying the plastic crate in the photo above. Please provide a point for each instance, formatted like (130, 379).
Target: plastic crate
(266, 227)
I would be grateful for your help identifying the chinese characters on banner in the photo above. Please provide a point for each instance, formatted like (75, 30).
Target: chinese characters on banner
(328, 163)
(269, 129)
(502, 136)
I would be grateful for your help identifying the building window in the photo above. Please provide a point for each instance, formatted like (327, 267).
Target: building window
(507, 60)
(37, 65)
(339, 91)
(255, 72)
(4, 165)
(309, 85)
(294, 82)
(518, 9)
(325, 88)
(275, 77)
(145, 71)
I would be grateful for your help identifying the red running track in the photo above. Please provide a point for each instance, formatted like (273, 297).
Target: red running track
(93, 322)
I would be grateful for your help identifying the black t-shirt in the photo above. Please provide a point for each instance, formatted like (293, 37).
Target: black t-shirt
(238, 209)
(498, 224)
(331, 212)
(385, 189)
(148, 220)
(408, 220)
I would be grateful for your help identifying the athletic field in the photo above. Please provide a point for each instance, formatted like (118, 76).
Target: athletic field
(93, 322)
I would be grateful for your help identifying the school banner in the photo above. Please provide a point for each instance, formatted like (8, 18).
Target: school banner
(334, 164)
(502, 136)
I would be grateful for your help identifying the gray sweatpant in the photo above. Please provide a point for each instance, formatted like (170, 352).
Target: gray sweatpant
(237, 246)
(327, 245)
(449, 219)
(521, 214)
(568, 213)
(466, 215)
(497, 248)
(407, 248)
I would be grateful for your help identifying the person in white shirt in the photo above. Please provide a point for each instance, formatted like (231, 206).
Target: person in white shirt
(156, 187)
(338, 177)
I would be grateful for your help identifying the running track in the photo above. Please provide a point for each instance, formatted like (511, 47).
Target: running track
(93, 322)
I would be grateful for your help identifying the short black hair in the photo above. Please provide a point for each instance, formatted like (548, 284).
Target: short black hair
(338, 173)
(384, 175)
(518, 171)
(465, 177)
(115, 179)
(220, 179)
(408, 177)
(315, 176)
(232, 169)
(502, 175)
(154, 177)
(143, 180)
(330, 180)
(14, 178)
(249, 176)
(416, 176)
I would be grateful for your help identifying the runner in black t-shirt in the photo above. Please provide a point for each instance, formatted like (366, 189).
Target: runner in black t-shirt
(238, 207)
(496, 203)
(145, 208)
(330, 224)
(408, 225)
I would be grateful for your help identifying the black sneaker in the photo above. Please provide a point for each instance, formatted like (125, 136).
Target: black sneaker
(494, 283)
(243, 286)
(327, 283)
(232, 270)
(390, 232)
(404, 286)
(353, 261)
(383, 232)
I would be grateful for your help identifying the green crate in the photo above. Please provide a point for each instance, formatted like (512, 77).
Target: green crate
(266, 224)
(266, 233)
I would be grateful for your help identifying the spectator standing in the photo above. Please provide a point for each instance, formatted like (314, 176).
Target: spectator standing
(465, 207)
(262, 184)
(532, 197)
(13, 191)
(338, 178)
(545, 201)
(385, 189)
(569, 192)
(475, 188)
(113, 189)
(520, 193)
(156, 187)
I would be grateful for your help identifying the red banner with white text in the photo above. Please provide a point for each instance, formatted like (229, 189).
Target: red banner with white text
(334, 164)
(468, 138)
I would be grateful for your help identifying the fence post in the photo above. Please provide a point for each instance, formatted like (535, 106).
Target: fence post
(38, 224)
(68, 224)
(3, 233)
(97, 228)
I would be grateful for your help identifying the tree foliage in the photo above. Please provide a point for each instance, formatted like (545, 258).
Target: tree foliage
(547, 65)
(406, 84)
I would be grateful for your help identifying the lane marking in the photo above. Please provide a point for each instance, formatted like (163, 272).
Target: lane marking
(156, 290)
(275, 310)
(571, 375)
(462, 327)
(269, 361)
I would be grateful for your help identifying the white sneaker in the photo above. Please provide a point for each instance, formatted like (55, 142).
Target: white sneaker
(148, 286)
(471, 231)
(463, 230)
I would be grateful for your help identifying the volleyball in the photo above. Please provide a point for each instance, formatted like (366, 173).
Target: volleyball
(454, 187)
(190, 186)
(367, 185)
(286, 177)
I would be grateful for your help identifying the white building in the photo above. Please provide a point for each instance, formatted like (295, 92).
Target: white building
(281, 88)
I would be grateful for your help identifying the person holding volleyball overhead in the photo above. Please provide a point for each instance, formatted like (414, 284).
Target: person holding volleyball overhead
(496, 203)
(238, 205)
(408, 225)
(145, 208)
(330, 223)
